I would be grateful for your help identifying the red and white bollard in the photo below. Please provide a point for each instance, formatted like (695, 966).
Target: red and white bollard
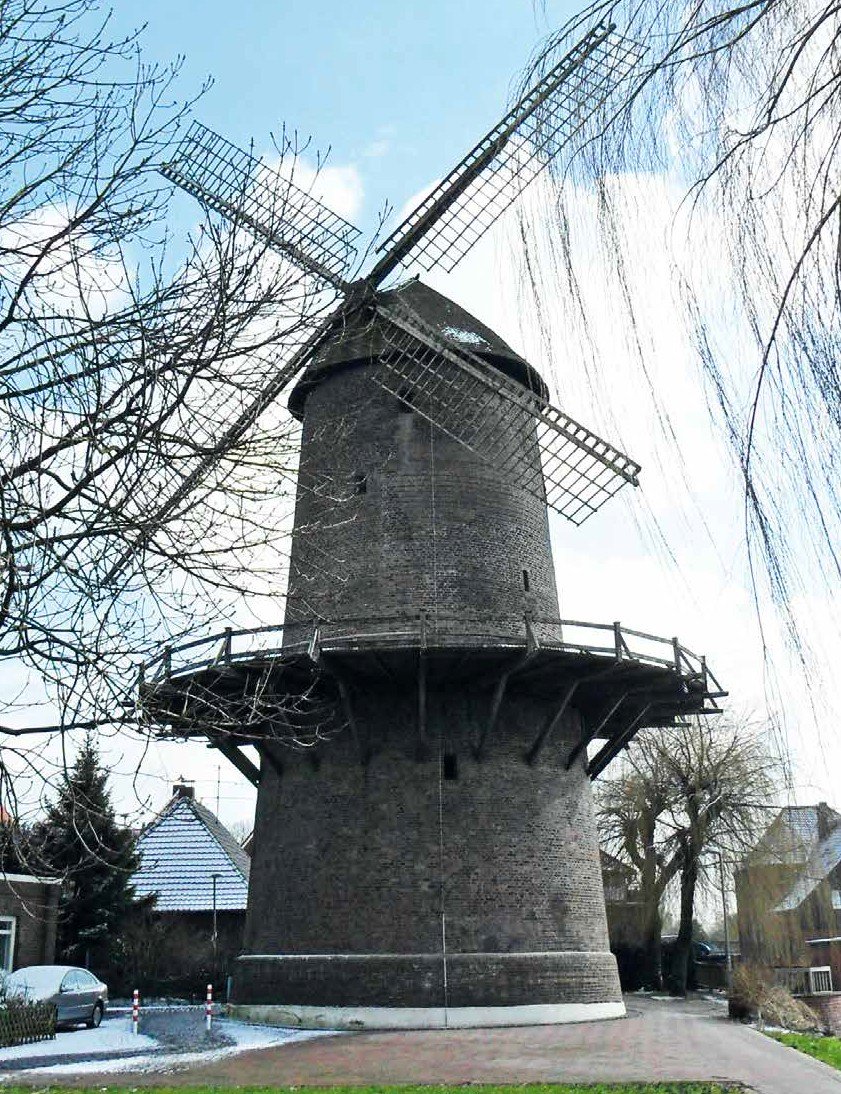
(135, 1010)
(208, 1006)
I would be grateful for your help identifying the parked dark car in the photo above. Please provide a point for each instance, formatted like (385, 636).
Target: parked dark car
(700, 951)
(76, 993)
(708, 951)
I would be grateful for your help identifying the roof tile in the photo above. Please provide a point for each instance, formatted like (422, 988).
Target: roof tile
(179, 854)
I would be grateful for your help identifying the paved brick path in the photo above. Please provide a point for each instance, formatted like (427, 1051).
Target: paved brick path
(659, 1040)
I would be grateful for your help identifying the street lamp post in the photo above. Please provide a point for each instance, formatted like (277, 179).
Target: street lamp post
(724, 912)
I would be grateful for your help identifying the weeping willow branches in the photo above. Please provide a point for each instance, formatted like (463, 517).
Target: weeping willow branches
(732, 114)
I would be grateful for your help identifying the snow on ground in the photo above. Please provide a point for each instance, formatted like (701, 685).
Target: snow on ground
(114, 1035)
(244, 1036)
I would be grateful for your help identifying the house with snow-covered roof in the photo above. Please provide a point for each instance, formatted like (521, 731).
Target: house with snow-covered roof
(191, 892)
(788, 892)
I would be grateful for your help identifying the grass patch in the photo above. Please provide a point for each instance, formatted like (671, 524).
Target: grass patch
(479, 1088)
(827, 1049)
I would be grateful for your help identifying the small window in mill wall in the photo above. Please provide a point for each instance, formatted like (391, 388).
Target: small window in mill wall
(450, 766)
(360, 483)
(526, 581)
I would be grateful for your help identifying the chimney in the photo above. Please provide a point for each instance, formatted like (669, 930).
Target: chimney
(183, 788)
(824, 824)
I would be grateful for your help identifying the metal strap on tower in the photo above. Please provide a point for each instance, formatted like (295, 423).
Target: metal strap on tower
(498, 419)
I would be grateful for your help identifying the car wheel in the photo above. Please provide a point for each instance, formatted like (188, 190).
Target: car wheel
(96, 1017)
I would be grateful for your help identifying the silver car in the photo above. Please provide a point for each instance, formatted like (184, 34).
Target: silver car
(77, 994)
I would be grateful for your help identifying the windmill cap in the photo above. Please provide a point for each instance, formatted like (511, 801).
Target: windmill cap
(359, 342)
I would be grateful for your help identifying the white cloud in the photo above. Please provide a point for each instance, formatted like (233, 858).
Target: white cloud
(75, 275)
(619, 565)
(614, 567)
(340, 189)
(338, 186)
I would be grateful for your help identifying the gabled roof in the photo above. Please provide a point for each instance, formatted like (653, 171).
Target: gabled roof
(612, 864)
(180, 852)
(823, 860)
(792, 836)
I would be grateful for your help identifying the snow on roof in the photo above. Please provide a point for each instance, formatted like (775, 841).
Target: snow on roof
(792, 835)
(29, 879)
(459, 334)
(823, 860)
(179, 854)
(803, 819)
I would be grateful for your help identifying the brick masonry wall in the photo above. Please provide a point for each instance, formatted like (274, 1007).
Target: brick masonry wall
(369, 882)
(391, 858)
(34, 906)
(827, 1008)
(437, 527)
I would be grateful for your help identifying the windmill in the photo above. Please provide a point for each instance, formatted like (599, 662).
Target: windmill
(425, 850)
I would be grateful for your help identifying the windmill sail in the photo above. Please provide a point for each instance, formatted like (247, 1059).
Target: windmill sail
(450, 387)
(491, 415)
(276, 381)
(236, 185)
(442, 229)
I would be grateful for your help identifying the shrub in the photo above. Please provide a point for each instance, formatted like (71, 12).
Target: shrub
(753, 994)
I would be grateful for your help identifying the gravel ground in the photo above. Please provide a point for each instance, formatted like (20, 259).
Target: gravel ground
(184, 1030)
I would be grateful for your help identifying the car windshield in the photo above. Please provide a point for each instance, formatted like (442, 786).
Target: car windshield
(36, 982)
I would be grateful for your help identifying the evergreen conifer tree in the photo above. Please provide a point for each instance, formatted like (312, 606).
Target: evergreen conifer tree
(81, 841)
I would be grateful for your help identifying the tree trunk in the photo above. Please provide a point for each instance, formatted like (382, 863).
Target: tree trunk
(679, 965)
(652, 964)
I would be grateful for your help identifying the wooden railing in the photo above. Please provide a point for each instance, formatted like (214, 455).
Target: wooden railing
(426, 630)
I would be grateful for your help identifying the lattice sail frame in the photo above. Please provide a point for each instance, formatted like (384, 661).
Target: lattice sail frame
(452, 388)
(479, 407)
(458, 212)
(235, 184)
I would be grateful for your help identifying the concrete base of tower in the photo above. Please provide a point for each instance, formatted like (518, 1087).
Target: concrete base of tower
(357, 1018)
(422, 991)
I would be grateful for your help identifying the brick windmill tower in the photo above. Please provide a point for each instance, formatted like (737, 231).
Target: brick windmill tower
(425, 852)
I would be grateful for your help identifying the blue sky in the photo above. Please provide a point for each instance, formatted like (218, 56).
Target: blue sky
(399, 90)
